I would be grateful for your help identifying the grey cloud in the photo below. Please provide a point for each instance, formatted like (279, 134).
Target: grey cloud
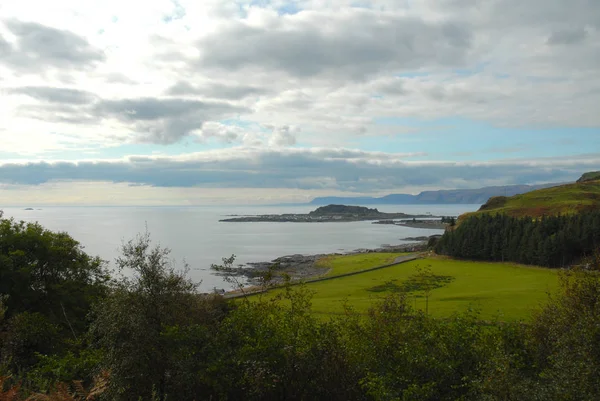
(165, 121)
(55, 95)
(346, 170)
(355, 45)
(5, 47)
(152, 120)
(543, 12)
(216, 90)
(150, 108)
(38, 47)
(567, 36)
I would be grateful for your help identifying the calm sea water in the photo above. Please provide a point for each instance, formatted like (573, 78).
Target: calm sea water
(195, 235)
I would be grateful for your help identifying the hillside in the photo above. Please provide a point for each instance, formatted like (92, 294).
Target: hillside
(563, 199)
(450, 197)
(591, 176)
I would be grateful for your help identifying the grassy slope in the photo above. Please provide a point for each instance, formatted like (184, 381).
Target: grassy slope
(353, 263)
(591, 176)
(563, 199)
(498, 289)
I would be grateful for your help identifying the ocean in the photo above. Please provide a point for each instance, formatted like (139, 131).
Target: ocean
(195, 235)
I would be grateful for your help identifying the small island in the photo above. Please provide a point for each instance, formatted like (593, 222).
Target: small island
(326, 214)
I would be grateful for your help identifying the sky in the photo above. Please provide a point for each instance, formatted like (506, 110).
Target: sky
(186, 102)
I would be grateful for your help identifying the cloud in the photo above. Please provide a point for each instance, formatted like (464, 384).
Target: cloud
(379, 74)
(148, 120)
(39, 47)
(164, 121)
(55, 95)
(567, 36)
(215, 90)
(283, 136)
(353, 44)
(335, 169)
(221, 132)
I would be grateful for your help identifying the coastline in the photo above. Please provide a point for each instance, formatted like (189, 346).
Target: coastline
(300, 267)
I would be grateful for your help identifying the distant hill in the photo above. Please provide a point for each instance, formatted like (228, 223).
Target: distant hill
(564, 199)
(331, 210)
(453, 196)
(591, 176)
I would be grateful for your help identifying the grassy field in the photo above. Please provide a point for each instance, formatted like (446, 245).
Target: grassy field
(501, 290)
(353, 263)
(563, 199)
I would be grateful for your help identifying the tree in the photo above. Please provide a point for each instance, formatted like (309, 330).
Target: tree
(47, 286)
(425, 281)
(140, 324)
(48, 273)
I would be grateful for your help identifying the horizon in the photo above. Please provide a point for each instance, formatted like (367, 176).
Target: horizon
(310, 202)
(175, 102)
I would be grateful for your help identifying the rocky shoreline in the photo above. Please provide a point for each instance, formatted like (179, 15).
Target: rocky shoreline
(302, 267)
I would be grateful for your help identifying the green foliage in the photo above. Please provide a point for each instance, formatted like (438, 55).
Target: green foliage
(566, 332)
(48, 273)
(25, 335)
(143, 320)
(79, 363)
(551, 241)
(409, 356)
(276, 349)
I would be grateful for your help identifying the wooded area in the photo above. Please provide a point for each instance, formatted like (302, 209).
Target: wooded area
(551, 241)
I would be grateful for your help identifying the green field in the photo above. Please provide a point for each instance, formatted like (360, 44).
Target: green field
(501, 290)
(353, 263)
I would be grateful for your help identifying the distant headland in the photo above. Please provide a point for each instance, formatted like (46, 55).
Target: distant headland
(329, 213)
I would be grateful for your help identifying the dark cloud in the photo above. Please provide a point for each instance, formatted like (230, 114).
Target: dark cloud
(355, 44)
(567, 36)
(55, 95)
(216, 90)
(38, 47)
(346, 170)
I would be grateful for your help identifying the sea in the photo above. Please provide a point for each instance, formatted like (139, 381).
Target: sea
(197, 238)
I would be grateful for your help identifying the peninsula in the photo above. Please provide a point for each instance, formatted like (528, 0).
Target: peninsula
(330, 213)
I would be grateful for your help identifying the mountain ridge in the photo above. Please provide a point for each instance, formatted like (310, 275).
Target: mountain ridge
(446, 196)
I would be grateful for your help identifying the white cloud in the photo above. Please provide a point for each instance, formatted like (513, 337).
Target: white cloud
(283, 135)
(87, 76)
